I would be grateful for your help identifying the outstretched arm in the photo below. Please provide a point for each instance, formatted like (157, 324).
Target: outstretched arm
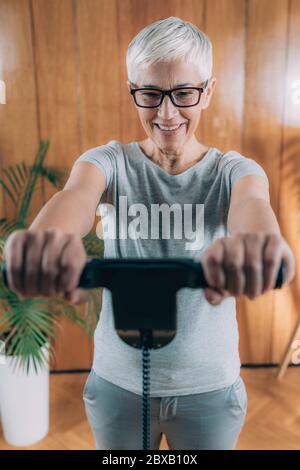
(247, 262)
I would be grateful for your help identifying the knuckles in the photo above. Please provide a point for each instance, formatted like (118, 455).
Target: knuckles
(252, 266)
(47, 268)
(233, 266)
(241, 255)
(269, 262)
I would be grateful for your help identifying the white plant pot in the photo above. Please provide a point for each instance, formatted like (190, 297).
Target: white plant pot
(24, 401)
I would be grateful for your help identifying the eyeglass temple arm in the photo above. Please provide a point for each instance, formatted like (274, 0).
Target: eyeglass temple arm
(206, 84)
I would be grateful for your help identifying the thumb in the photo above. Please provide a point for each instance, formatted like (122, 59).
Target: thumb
(77, 296)
(215, 296)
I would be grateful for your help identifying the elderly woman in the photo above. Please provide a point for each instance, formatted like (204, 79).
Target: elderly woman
(221, 216)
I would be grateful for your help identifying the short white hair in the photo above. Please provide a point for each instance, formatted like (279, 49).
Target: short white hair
(166, 40)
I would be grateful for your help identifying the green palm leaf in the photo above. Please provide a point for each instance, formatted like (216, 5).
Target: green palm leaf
(94, 247)
(55, 175)
(28, 324)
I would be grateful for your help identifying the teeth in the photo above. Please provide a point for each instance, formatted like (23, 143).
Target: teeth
(169, 128)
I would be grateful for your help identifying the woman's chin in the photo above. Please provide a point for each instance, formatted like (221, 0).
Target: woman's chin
(170, 143)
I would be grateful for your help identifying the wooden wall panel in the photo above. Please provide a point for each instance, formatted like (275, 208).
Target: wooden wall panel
(19, 128)
(98, 70)
(65, 71)
(225, 26)
(56, 64)
(263, 104)
(287, 302)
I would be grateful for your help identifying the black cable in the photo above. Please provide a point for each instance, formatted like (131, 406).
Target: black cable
(146, 388)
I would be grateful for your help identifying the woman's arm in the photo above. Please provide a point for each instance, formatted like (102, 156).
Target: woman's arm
(73, 209)
(247, 262)
(250, 209)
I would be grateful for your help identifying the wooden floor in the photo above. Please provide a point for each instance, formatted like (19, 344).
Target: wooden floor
(273, 420)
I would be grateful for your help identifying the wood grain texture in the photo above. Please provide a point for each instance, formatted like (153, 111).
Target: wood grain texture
(225, 25)
(19, 127)
(265, 54)
(57, 70)
(65, 71)
(287, 303)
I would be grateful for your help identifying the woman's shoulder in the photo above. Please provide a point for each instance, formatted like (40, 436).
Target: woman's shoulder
(232, 155)
(120, 147)
(235, 164)
(110, 149)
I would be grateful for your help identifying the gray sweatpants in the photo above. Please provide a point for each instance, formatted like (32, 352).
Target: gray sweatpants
(211, 420)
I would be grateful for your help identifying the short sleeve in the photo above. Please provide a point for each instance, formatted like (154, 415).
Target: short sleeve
(236, 166)
(103, 157)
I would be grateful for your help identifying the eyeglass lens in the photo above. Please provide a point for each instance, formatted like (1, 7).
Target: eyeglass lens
(182, 97)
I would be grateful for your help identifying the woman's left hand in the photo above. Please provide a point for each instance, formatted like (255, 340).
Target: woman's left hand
(245, 264)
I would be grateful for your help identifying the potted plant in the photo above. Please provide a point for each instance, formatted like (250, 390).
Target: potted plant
(28, 326)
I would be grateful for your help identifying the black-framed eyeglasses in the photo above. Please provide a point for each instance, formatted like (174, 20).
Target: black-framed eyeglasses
(183, 97)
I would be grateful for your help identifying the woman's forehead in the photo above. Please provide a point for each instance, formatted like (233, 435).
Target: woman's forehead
(169, 76)
(152, 85)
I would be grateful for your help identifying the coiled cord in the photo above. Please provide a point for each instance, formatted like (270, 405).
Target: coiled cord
(146, 391)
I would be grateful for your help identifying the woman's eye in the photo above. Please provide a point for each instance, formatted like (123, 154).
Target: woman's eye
(150, 94)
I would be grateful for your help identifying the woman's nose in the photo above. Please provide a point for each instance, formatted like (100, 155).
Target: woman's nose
(167, 108)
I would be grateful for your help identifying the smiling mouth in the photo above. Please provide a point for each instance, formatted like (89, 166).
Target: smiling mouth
(169, 131)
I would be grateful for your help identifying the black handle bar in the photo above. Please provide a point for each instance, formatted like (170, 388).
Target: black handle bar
(143, 288)
(183, 272)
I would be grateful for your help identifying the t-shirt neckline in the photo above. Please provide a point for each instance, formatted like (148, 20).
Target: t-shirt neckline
(159, 169)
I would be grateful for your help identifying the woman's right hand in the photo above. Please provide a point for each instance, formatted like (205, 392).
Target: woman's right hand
(45, 263)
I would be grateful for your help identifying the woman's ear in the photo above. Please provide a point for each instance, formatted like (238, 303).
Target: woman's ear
(130, 85)
(209, 92)
(2, 92)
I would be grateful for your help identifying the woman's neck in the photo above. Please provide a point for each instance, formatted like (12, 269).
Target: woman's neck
(173, 162)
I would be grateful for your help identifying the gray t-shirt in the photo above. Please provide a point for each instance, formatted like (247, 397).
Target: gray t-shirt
(204, 354)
